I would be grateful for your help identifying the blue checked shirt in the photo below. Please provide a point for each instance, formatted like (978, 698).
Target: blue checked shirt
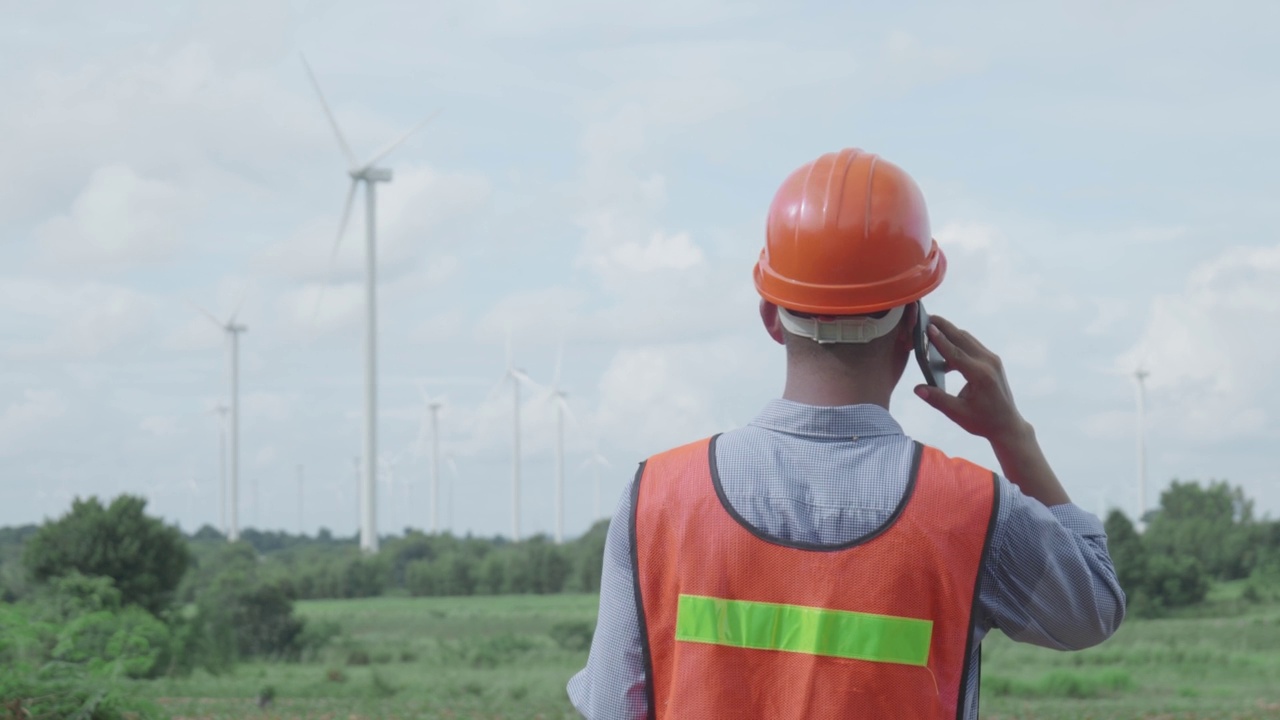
(829, 475)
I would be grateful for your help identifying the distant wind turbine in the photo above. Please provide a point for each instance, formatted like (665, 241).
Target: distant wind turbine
(233, 330)
(517, 377)
(1141, 376)
(370, 175)
(557, 395)
(433, 406)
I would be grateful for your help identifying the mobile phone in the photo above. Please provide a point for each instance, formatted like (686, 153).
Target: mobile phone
(930, 360)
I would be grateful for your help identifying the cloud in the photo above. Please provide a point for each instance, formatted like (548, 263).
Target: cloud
(24, 419)
(161, 426)
(421, 211)
(1209, 350)
(117, 221)
(69, 319)
(662, 252)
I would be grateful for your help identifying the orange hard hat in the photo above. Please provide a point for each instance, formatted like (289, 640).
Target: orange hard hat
(848, 234)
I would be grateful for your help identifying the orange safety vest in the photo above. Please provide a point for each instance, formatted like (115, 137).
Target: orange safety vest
(737, 624)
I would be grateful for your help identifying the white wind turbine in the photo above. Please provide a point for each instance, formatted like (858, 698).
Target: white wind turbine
(517, 377)
(557, 395)
(370, 175)
(1141, 376)
(433, 406)
(233, 330)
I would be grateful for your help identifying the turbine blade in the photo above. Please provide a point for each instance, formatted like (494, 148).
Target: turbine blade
(337, 243)
(342, 141)
(525, 380)
(568, 411)
(244, 295)
(212, 318)
(398, 141)
(555, 381)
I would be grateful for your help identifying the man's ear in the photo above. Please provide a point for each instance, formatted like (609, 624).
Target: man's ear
(907, 327)
(772, 325)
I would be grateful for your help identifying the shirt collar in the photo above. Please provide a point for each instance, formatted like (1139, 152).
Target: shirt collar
(833, 423)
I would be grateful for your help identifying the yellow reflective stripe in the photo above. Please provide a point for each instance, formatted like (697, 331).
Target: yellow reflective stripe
(800, 629)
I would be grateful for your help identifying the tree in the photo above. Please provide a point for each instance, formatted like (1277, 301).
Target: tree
(1214, 525)
(145, 558)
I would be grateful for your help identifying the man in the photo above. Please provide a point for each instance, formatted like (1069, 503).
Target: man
(818, 563)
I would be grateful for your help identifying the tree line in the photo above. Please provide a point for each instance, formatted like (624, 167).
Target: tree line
(106, 591)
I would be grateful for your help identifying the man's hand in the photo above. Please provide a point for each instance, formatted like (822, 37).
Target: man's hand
(984, 407)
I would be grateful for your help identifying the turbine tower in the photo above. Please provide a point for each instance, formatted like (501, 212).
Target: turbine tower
(557, 395)
(221, 411)
(435, 466)
(433, 406)
(1141, 375)
(233, 330)
(517, 377)
(370, 175)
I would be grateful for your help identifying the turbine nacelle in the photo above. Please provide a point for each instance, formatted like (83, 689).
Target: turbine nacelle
(371, 174)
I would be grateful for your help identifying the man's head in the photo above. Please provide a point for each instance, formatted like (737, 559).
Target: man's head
(847, 254)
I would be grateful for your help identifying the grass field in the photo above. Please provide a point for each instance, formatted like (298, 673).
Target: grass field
(509, 657)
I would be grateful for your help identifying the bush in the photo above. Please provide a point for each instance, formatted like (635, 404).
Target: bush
(574, 635)
(127, 643)
(240, 614)
(67, 691)
(144, 557)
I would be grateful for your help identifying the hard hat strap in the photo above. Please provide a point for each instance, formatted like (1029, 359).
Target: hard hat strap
(841, 329)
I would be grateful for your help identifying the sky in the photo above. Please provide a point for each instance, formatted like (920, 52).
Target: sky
(1101, 176)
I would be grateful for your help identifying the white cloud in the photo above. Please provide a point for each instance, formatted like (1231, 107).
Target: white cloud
(663, 251)
(118, 220)
(422, 210)
(67, 319)
(161, 426)
(1209, 348)
(24, 419)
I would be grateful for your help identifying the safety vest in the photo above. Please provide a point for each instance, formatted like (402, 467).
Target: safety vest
(739, 624)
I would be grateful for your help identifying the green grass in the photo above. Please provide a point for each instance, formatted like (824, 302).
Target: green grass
(501, 657)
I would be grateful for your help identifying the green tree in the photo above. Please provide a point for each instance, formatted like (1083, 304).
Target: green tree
(145, 558)
(1214, 525)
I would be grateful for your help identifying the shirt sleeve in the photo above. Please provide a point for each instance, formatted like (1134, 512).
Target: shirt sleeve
(612, 686)
(1048, 579)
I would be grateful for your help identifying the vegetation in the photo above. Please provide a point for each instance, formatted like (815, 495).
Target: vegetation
(108, 613)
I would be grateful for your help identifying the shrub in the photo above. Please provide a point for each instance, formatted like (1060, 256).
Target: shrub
(129, 642)
(572, 635)
(145, 557)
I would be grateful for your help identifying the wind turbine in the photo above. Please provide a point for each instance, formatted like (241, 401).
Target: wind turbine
(557, 395)
(221, 411)
(233, 330)
(517, 377)
(433, 406)
(1141, 376)
(370, 175)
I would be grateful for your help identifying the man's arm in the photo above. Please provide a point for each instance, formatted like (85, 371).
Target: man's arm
(613, 683)
(1048, 579)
